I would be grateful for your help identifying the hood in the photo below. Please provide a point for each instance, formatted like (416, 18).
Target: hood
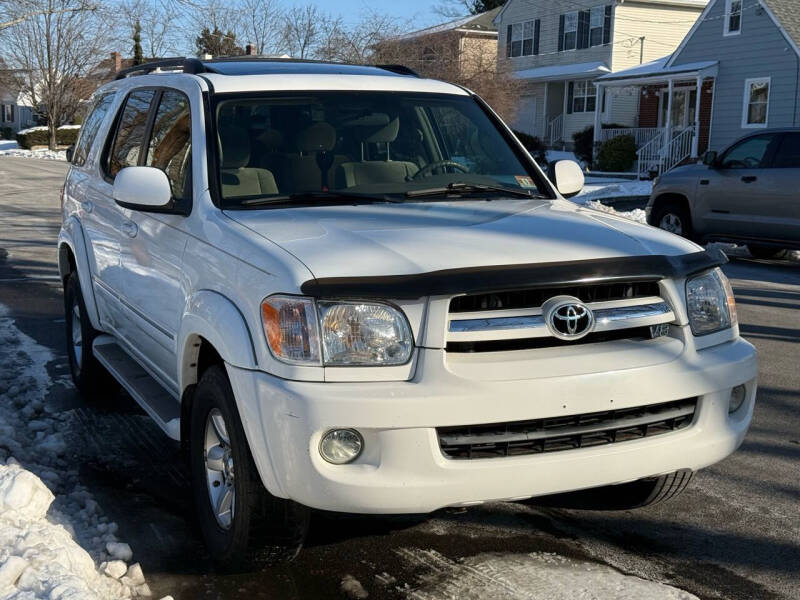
(413, 238)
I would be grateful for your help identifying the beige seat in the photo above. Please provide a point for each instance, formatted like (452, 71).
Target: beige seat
(236, 178)
(309, 169)
(375, 129)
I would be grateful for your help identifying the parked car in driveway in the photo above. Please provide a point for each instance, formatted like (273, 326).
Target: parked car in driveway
(350, 288)
(747, 194)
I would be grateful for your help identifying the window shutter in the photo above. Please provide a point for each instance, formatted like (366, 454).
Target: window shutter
(607, 26)
(570, 96)
(584, 18)
(508, 42)
(536, 30)
(561, 33)
(2, 113)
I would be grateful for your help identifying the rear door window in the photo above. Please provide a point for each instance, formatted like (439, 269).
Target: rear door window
(90, 128)
(131, 130)
(788, 153)
(170, 145)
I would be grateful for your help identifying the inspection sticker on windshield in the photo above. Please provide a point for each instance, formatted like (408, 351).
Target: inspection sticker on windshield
(524, 181)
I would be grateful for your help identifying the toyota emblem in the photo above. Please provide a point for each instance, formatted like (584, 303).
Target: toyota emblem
(569, 319)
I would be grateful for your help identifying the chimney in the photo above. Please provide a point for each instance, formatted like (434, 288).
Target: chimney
(250, 50)
(116, 57)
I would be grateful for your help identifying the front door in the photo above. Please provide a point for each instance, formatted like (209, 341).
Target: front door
(684, 102)
(735, 195)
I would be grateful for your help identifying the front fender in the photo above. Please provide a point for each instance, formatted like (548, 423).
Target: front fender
(71, 239)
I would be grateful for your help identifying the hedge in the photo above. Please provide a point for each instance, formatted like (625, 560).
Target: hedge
(617, 154)
(39, 136)
(533, 145)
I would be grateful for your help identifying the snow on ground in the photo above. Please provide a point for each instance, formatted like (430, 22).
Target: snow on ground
(44, 510)
(11, 148)
(535, 576)
(637, 214)
(599, 187)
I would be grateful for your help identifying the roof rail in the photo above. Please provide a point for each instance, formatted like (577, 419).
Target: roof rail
(399, 69)
(186, 65)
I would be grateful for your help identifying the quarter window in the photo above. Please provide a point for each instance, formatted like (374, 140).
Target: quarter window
(756, 103)
(90, 128)
(733, 17)
(131, 130)
(170, 145)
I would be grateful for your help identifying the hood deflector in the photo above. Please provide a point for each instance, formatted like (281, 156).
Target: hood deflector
(502, 278)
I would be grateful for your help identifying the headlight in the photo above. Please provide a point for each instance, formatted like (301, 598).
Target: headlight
(302, 331)
(709, 302)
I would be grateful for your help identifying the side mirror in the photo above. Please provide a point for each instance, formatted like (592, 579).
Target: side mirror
(710, 158)
(70, 152)
(567, 176)
(143, 188)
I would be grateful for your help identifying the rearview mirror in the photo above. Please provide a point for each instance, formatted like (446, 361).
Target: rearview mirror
(567, 176)
(710, 158)
(143, 188)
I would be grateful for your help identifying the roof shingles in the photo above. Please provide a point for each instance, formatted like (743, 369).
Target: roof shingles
(788, 13)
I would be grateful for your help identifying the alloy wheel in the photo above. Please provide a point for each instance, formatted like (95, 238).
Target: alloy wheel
(672, 223)
(77, 335)
(219, 469)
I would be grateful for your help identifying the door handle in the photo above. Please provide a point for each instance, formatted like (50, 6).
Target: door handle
(88, 206)
(749, 178)
(129, 228)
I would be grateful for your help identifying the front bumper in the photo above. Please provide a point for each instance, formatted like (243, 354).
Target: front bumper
(402, 469)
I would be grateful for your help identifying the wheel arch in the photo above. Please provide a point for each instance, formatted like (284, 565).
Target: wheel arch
(671, 198)
(73, 258)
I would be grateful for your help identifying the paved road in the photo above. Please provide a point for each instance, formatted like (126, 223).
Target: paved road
(734, 534)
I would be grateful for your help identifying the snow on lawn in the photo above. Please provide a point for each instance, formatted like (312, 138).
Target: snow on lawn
(11, 148)
(39, 555)
(535, 576)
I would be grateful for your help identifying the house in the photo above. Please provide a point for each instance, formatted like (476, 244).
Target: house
(455, 50)
(744, 58)
(16, 110)
(558, 48)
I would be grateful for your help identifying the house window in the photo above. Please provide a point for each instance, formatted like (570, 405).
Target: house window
(596, 25)
(733, 17)
(583, 96)
(8, 113)
(570, 39)
(522, 39)
(756, 102)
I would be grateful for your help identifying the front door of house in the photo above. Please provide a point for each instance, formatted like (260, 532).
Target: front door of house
(684, 101)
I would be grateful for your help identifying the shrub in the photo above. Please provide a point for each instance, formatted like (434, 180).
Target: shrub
(617, 154)
(7, 133)
(584, 145)
(39, 136)
(533, 145)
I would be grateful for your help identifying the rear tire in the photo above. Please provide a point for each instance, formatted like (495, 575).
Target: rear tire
(673, 217)
(765, 252)
(258, 529)
(636, 494)
(88, 374)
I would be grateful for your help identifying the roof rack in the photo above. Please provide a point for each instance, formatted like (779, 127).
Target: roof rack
(195, 66)
(186, 65)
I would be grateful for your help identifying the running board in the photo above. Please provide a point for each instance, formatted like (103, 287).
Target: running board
(148, 393)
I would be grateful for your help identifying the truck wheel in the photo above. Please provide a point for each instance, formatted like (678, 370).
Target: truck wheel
(625, 496)
(244, 526)
(765, 252)
(673, 217)
(88, 375)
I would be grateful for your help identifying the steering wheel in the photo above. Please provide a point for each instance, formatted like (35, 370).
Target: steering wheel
(436, 165)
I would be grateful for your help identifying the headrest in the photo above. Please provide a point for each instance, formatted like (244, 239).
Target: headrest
(319, 137)
(271, 138)
(376, 127)
(234, 147)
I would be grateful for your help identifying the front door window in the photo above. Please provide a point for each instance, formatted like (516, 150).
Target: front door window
(684, 102)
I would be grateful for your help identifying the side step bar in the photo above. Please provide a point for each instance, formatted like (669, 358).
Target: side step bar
(148, 393)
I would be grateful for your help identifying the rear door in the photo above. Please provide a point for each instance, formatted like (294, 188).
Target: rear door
(733, 198)
(782, 208)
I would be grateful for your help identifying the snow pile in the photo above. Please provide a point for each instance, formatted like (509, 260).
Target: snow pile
(535, 576)
(40, 532)
(636, 214)
(597, 188)
(32, 129)
(12, 149)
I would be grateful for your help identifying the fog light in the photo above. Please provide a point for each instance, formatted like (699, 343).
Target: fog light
(738, 395)
(341, 446)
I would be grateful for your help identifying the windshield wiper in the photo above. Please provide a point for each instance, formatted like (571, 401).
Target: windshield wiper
(458, 186)
(317, 197)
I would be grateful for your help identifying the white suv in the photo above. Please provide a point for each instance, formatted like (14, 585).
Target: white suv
(349, 288)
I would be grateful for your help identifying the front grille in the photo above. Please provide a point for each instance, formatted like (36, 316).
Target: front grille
(636, 333)
(556, 434)
(530, 298)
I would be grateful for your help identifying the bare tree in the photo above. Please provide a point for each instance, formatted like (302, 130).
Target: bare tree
(157, 29)
(190, 17)
(302, 31)
(15, 12)
(262, 25)
(54, 48)
(357, 44)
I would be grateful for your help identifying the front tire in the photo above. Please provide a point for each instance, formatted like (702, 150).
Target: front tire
(673, 217)
(243, 525)
(88, 374)
(765, 252)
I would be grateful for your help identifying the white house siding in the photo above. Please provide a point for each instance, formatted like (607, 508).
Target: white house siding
(760, 50)
(662, 26)
(532, 97)
(622, 107)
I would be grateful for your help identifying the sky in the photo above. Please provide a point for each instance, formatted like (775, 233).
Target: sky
(421, 13)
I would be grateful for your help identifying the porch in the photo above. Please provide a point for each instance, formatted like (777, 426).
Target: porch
(674, 116)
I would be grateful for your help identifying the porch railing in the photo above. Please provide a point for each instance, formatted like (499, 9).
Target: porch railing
(555, 129)
(642, 135)
(650, 156)
(665, 152)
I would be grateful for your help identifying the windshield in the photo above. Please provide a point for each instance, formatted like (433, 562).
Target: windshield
(377, 145)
